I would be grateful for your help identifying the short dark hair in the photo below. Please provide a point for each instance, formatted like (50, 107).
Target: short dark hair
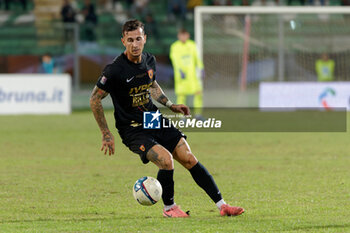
(182, 30)
(132, 25)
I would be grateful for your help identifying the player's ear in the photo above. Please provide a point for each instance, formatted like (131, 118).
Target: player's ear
(122, 39)
(145, 38)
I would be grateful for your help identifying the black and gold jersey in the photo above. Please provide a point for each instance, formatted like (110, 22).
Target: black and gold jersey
(128, 84)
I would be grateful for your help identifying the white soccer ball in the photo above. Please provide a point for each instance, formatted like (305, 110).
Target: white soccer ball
(147, 190)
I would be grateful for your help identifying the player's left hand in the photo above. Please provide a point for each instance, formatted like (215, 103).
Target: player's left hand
(180, 108)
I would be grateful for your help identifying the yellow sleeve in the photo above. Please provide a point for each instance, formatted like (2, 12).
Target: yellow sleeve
(198, 61)
(174, 57)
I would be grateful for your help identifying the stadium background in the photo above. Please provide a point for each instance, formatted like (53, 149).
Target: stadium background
(27, 34)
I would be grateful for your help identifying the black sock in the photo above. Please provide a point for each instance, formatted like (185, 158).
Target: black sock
(165, 178)
(203, 178)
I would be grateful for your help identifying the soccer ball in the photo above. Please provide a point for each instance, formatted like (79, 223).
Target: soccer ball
(147, 190)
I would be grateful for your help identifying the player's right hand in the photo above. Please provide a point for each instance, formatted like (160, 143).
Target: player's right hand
(108, 143)
(180, 108)
(182, 74)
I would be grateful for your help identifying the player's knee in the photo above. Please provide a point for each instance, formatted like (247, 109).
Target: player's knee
(167, 162)
(190, 161)
(160, 157)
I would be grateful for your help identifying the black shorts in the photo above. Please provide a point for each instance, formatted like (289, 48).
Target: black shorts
(140, 140)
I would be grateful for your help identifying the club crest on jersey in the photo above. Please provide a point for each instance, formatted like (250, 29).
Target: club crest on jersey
(150, 73)
(142, 148)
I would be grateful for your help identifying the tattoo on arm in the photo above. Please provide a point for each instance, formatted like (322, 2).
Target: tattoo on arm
(96, 106)
(158, 94)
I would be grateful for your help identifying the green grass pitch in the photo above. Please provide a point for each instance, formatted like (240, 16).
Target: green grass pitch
(53, 178)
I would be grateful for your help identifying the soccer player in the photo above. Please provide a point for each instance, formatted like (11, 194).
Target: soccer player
(48, 65)
(325, 68)
(188, 71)
(131, 82)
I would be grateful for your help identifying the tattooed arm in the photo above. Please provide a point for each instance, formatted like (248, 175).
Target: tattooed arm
(96, 106)
(158, 94)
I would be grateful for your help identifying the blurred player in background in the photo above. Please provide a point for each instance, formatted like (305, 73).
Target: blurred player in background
(131, 82)
(48, 65)
(188, 71)
(325, 68)
(68, 16)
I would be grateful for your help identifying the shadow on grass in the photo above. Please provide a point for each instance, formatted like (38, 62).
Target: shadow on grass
(70, 219)
(205, 218)
(321, 227)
